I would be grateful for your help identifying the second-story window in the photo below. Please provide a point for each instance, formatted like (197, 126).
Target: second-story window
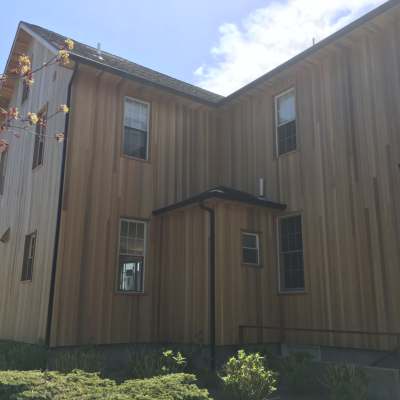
(25, 91)
(40, 134)
(136, 128)
(3, 166)
(285, 111)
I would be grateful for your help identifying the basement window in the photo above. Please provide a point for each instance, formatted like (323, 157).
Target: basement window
(285, 115)
(29, 257)
(136, 128)
(250, 248)
(132, 247)
(291, 254)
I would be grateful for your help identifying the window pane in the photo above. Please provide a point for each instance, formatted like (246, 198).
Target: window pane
(291, 253)
(29, 257)
(131, 274)
(135, 143)
(250, 256)
(136, 115)
(287, 137)
(286, 108)
(249, 240)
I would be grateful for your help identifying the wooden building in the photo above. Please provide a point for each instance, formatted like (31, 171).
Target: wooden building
(173, 215)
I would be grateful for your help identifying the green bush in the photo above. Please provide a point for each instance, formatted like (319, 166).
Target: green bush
(22, 356)
(245, 377)
(146, 364)
(89, 359)
(37, 385)
(297, 373)
(346, 382)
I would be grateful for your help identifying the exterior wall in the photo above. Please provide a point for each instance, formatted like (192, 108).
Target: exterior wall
(29, 203)
(101, 185)
(344, 179)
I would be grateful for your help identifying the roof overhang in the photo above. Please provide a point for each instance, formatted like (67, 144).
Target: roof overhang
(222, 193)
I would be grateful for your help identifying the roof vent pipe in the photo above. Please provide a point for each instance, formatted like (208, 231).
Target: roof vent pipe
(261, 187)
(99, 51)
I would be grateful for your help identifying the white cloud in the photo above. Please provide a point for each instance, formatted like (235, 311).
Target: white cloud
(272, 35)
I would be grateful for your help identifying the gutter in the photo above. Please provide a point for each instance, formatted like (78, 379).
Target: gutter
(59, 209)
(211, 266)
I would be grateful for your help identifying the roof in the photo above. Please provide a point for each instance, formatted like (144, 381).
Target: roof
(88, 54)
(223, 193)
(130, 70)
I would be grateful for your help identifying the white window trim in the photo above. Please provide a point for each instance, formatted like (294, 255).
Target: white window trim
(277, 125)
(282, 290)
(257, 235)
(148, 129)
(145, 223)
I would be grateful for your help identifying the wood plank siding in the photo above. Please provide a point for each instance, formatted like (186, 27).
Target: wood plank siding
(29, 204)
(102, 185)
(343, 179)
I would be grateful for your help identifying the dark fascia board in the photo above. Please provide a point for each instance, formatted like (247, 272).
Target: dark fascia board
(126, 75)
(219, 195)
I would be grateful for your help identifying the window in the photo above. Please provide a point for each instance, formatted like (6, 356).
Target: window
(25, 91)
(132, 247)
(3, 165)
(38, 149)
(291, 254)
(29, 257)
(285, 113)
(136, 128)
(250, 248)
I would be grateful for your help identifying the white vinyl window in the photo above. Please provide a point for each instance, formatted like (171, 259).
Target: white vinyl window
(131, 262)
(250, 248)
(285, 115)
(136, 128)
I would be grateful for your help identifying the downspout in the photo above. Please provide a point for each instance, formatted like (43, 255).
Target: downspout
(211, 266)
(58, 221)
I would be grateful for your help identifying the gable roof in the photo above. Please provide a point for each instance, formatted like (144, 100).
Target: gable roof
(130, 70)
(87, 54)
(224, 193)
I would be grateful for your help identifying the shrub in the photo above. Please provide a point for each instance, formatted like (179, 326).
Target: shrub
(89, 359)
(22, 356)
(346, 382)
(245, 377)
(297, 373)
(146, 364)
(37, 385)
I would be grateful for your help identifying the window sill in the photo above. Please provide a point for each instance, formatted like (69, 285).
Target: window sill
(119, 293)
(27, 282)
(147, 161)
(287, 154)
(292, 292)
(38, 168)
(247, 265)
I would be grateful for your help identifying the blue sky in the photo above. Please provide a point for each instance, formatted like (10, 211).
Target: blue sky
(217, 44)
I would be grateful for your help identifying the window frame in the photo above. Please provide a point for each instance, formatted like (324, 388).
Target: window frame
(3, 170)
(277, 126)
(281, 289)
(25, 278)
(147, 159)
(258, 240)
(145, 223)
(35, 166)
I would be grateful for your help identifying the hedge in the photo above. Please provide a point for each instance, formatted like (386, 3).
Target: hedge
(49, 385)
